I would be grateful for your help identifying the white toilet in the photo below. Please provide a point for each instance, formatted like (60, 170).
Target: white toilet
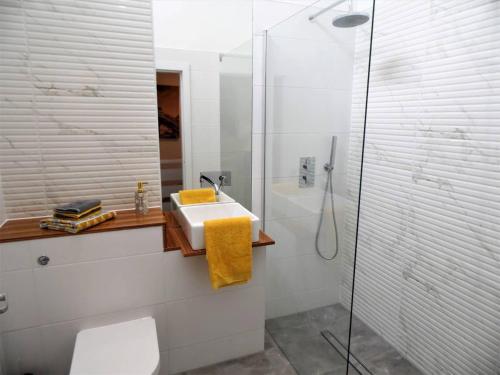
(124, 348)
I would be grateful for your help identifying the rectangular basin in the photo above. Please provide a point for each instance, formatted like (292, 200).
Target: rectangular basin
(175, 203)
(192, 218)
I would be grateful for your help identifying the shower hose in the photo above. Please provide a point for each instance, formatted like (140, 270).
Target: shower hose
(328, 189)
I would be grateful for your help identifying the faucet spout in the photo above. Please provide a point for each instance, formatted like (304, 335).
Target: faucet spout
(217, 187)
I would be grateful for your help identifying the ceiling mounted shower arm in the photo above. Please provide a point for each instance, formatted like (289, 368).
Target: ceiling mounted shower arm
(313, 16)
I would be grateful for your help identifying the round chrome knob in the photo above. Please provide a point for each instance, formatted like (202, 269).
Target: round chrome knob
(43, 260)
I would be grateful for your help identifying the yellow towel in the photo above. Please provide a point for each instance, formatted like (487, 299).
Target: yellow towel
(197, 196)
(229, 250)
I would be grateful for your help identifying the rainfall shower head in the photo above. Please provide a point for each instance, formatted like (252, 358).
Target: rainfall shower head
(350, 20)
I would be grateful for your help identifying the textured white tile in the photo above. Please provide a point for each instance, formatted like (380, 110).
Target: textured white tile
(84, 289)
(428, 256)
(215, 351)
(214, 316)
(106, 116)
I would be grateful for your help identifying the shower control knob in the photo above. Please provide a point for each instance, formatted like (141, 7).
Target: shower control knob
(43, 260)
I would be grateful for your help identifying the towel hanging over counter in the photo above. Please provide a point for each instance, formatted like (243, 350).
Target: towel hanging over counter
(229, 250)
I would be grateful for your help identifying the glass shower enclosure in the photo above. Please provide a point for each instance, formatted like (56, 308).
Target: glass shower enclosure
(382, 146)
(316, 86)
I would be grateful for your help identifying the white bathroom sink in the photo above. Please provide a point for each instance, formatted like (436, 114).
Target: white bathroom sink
(191, 220)
(175, 203)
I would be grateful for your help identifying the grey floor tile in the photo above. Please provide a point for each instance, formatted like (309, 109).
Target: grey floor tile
(299, 337)
(294, 345)
(271, 361)
(308, 352)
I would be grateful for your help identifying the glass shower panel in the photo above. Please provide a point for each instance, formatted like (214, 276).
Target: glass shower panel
(428, 258)
(236, 122)
(316, 80)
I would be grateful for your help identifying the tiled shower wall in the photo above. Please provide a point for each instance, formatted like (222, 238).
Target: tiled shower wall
(308, 96)
(79, 103)
(428, 259)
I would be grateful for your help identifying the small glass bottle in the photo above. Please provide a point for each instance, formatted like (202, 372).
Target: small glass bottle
(141, 199)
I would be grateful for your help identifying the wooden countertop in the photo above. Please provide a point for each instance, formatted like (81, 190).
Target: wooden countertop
(173, 236)
(28, 229)
(176, 240)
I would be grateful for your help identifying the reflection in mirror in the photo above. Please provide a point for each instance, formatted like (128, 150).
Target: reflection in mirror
(236, 121)
(203, 58)
(168, 97)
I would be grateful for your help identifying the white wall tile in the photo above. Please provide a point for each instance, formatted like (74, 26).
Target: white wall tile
(276, 307)
(198, 60)
(96, 246)
(205, 112)
(258, 66)
(16, 255)
(84, 289)
(309, 110)
(59, 339)
(305, 63)
(188, 277)
(206, 139)
(268, 13)
(23, 309)
(24, 352)
(204, 85)
(214, 351)
(209, 317)
(258, 114)
(204, 161)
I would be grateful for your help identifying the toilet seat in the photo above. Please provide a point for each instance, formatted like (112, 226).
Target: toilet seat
(124, 348)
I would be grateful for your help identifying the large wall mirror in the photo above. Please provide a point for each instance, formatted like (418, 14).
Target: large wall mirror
(203, 58)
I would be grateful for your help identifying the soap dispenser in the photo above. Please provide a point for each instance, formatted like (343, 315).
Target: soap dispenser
(141, 199)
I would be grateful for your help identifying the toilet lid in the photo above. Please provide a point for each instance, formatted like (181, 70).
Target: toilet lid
(124, 348)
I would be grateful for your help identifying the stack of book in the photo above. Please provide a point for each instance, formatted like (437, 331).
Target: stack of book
(77, 216)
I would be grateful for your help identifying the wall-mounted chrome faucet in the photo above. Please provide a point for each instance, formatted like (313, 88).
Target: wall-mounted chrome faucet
(217, 187)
